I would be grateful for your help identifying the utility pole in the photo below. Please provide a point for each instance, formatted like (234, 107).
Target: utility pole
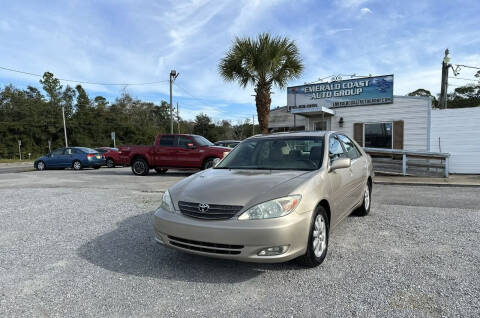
(64, 126)
(178, 119)
(253, 125)
(444, 86)
(173, 76)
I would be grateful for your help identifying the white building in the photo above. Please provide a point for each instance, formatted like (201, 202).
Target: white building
(366, 110)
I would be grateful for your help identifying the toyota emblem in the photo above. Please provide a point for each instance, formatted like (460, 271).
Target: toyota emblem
(203, 207)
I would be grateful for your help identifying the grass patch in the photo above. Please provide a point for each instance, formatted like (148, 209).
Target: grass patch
(14, 161)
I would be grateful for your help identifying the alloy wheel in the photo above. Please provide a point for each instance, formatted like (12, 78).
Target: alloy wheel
(319, 236)
(139, 167)
(366, 198)
(40, 166)
(77, 165)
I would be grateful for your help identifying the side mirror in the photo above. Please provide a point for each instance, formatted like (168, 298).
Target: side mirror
(341, 163)
(190, 146)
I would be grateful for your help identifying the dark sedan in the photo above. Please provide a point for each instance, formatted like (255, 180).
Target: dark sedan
(227, 143)
(76, 158)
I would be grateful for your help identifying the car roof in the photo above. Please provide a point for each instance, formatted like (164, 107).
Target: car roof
(317, 133)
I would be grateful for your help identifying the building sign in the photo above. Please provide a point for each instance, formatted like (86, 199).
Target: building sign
(343, 93)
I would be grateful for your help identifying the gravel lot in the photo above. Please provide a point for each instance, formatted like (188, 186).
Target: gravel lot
(80, 244)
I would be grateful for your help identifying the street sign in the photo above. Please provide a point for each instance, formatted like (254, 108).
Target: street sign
(113, 135)
(19, 142)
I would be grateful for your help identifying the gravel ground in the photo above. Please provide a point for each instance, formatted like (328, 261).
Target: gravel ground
(80, 244)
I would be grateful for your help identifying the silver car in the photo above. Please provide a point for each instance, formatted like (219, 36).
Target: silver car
(273, 198)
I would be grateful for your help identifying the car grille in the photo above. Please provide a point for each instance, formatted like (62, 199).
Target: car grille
(215, 211)
(206, 247)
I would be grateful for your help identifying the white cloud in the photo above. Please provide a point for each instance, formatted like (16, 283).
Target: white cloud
(350, 3)
(364, 11)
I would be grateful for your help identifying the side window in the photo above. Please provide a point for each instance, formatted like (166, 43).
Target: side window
(183, 141)
(350, 148)
(57, 152)
(335, 149)
(167, 141)
(70, 151)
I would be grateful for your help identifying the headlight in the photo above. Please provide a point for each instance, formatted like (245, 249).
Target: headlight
(272, 209)
(167, 203)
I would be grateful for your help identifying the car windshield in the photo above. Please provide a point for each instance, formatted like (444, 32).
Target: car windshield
(202, 141)
(274, 153)
(86, 150)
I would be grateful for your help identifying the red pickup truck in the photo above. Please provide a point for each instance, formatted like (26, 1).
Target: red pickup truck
(171, 151)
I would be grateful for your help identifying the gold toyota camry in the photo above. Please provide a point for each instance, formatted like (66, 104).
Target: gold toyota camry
(273, 198)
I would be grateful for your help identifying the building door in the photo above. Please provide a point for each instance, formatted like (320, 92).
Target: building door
(321, 125)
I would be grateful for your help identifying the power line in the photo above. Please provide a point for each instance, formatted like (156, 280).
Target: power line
(468, 66)
(84, 82)
(465, 79)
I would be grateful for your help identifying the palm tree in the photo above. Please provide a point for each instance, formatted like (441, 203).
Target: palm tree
(262, 62)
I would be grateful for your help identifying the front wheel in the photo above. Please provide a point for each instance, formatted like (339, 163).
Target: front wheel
(41, 166)
(317, 240)
(140, 167)
(77, 165)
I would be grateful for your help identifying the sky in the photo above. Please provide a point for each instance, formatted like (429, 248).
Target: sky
(135, 41)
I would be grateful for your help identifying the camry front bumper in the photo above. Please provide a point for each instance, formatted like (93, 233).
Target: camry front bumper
(234, 239)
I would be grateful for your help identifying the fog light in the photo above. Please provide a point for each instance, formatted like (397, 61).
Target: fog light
(159, 240)
(274, 250)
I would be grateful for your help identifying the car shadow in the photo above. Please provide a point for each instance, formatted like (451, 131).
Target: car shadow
(130, 249)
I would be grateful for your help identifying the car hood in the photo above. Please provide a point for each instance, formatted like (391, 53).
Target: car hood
(236, 187)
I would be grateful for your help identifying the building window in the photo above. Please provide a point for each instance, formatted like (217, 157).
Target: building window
(378, 135)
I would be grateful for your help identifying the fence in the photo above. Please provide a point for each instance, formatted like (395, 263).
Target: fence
(416, 163)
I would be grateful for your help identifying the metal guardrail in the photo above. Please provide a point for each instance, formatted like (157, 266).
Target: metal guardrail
(414, 154)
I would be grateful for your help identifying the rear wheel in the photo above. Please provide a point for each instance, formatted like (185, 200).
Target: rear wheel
(317, 240)
(208, 163)
(41, 166)
(161, 170)
(367, 201)
(140, 167)
(77, 165)
(110, 163)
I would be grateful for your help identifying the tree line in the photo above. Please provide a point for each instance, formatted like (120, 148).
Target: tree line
(35, 118)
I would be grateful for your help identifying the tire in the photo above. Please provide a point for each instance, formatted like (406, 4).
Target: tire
(208, 163)
(319, 229)
(140, 167)
(110, 163)
(77, 165)
(367, 201)
(41, 166)
(161, 170)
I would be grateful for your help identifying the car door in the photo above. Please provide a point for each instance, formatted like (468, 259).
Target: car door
(358, 167)
(165, 152)
(188, 153)
(55, 158)
(340, 182)
(67, 158)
